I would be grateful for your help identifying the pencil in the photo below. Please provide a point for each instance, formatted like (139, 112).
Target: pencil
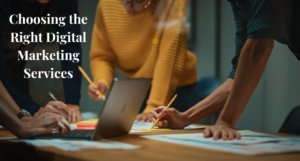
(89, 80)
(54, 98)
(173, 99)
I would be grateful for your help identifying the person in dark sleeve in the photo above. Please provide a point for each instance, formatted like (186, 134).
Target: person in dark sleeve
(24, 126)
(258, 24)
(15, 68)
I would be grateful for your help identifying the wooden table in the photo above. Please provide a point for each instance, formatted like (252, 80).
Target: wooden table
(150, 150)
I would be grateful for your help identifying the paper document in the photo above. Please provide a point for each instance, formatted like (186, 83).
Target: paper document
(138, 127)
(75, 145)
(252, 144)
(245, 139)
(252, 133)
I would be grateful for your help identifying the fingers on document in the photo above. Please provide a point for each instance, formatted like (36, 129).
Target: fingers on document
(138, 118)
(46, 122)
(148, 119)
(238, 135)
(225, 134)
(221, 133)
(207, 132)
(75, 116)
(143, 117)
(62, 123)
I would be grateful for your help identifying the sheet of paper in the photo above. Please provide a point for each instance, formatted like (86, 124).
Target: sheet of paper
(252, 133)
(138, 127)
(75, 145)
(245, 139)
(249, 133)
(282, 145)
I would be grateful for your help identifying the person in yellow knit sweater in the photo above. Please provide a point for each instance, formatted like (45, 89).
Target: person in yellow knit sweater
(144, 39)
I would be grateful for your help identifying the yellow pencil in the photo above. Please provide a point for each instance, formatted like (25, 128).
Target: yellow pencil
(89, 80)
(166, 108)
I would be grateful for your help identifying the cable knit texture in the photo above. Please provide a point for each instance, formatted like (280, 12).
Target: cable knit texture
(152, 44)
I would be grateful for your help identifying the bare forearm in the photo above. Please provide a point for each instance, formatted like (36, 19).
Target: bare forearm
(10, 121)
(211, 104)
(252, 62)
(7, 100)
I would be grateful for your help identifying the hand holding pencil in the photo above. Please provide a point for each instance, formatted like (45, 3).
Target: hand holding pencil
(169, 117)
(95, 89)
(158, 117)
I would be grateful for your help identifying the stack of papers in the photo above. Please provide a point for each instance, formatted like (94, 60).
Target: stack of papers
(75, 145)
(137, 126)
(252, 143)
(90, 124)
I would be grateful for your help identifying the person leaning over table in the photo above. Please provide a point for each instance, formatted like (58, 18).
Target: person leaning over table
(15, 68)
(25, 126)
(258, 24)
(144, 38)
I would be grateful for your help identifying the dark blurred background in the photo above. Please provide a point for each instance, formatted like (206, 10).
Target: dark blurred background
(211, 38)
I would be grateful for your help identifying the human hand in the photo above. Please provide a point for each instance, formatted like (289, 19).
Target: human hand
(170, 118)
(143, 117)
(221, 131)
(94, 94)
(54, 107)
(74, 111)
(43, 123)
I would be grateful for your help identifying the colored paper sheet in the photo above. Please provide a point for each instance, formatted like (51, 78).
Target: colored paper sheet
(156, 129)
(137, 126)
(89, 122)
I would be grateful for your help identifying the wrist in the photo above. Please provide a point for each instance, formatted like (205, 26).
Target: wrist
(25, 118)
(22, 133)
(186, 120)
(188, 117)
(72, 100)
(221, 121)
(72, 105)
(23, 113)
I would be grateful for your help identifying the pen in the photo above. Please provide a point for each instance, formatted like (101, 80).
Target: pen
(54, 98)
(173, 99)
(89, 80)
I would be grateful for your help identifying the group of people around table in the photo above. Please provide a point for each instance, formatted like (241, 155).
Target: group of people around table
(144, 39)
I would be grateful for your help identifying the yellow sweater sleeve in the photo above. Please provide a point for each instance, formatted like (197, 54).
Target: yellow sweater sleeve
(171, 58)
(102, 58)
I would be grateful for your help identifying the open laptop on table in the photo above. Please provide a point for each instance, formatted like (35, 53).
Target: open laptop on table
(118, 114)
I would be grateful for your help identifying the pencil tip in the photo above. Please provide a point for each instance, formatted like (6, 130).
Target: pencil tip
(50, 92)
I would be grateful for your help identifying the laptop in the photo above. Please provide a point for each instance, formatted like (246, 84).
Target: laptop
(118, 114)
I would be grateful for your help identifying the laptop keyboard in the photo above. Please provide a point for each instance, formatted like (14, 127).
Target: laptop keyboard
(78, 134)
(75, 134)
